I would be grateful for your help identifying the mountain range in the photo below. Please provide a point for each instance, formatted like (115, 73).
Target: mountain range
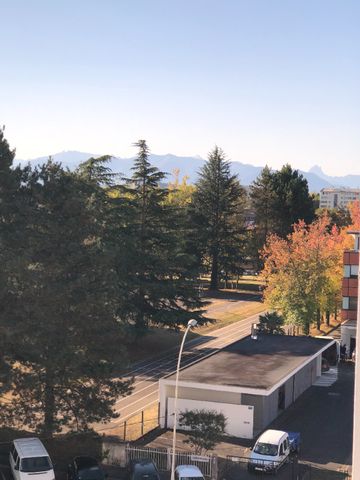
(190, 167)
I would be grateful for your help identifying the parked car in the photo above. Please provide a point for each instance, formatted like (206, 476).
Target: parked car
(29, 460)
(272, 450)
(188, 472)
(85, 468)
(144, 469)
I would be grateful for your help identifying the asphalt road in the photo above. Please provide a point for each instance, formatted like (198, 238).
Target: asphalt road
(147, 374)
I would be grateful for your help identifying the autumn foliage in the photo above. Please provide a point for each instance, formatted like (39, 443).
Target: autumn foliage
(303, 272)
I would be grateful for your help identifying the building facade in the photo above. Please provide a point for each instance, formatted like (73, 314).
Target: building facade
(350, 295)
(338, 197)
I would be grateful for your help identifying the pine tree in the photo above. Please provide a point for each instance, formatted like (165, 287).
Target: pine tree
(64, 341)
(160, 282)
(217, 208)
(292, 200)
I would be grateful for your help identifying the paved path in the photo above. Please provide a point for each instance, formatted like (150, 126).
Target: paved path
(148, 373)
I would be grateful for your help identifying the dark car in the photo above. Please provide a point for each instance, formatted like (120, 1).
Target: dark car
(85, 468)
(143, 470)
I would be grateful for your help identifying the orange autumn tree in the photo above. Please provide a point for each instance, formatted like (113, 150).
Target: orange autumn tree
(303, 272)
(354, 209)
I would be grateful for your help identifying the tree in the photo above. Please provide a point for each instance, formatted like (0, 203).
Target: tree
(292, 200)
(160, 285)
(303, 273)
(263, 198)
(217, 213)
(271, 322)
(64, 340)
(206, 428)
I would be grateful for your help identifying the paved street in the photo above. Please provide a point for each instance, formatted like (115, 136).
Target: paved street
(147, 374)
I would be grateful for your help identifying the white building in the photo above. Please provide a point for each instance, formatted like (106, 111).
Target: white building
(251, 381)
(338, 197)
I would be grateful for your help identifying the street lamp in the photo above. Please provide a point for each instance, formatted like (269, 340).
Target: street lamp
(191, 323)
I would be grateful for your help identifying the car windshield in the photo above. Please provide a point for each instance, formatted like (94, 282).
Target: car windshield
(93, 473)
(35, 464)
(191, 478)
(145, 476)
(266, 449)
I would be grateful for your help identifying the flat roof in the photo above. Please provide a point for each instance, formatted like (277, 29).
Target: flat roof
(252, 363)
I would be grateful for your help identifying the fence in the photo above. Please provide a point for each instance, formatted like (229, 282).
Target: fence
(233, 468)
(120, 454)
(135, 426)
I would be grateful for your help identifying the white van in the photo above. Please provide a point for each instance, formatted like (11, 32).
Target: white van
(270, 451)
(29, 460)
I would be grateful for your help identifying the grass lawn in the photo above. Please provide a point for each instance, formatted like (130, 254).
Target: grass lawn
(225, 307)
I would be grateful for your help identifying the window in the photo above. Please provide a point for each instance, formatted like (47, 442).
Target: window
(349, 303)
(351, 271)
(352, 303)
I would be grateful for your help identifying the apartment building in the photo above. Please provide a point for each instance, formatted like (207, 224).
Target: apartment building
(338, 197)
(350, 294)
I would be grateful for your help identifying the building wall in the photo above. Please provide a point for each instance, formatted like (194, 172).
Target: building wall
(338, 197)
(350, 286)
(265, 407)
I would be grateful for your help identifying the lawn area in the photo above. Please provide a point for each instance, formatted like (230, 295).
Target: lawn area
(225, 306)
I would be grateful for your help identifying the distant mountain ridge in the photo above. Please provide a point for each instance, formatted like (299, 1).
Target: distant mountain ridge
(190, 166)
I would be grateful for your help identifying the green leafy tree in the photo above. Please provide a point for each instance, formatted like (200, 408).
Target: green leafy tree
(217, 212)
(64, 341)
(271, 322)
(206, 428)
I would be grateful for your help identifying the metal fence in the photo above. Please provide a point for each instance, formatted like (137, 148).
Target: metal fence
(233, 468)
(163, 456)
(136, 426)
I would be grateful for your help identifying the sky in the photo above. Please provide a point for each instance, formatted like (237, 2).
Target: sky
(269, 81)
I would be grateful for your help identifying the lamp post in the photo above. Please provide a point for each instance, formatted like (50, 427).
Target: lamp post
(191, 323)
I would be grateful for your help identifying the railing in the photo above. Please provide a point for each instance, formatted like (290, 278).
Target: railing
(136, 426)
(162, 458)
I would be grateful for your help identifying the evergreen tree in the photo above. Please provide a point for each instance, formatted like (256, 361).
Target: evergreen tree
(292, 200)
(262, 197)
(217, 212)
(160, 282)
(64, 341)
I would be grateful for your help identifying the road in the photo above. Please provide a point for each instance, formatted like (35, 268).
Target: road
(147, 374)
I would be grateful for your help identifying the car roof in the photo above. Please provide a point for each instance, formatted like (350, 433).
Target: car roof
(30, 447)
(189, 471)
(85, 462)
(271, 436)
(142, 464)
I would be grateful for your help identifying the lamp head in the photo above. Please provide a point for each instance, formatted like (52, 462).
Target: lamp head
(192, 323)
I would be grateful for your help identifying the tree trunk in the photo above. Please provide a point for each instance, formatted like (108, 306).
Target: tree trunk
(318, 319)
(328, 318)
(214, 281)
(49, 401)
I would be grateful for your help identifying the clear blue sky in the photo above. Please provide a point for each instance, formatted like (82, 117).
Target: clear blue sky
(269, 81)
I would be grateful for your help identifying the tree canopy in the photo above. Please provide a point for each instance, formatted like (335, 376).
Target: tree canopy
(217, 211)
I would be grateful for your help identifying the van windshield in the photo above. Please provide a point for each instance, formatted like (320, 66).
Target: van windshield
(266, 449)
(35, 464)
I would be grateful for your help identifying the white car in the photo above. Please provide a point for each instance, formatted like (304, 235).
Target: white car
(270, 451)
(29, 460)
(188, 472)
